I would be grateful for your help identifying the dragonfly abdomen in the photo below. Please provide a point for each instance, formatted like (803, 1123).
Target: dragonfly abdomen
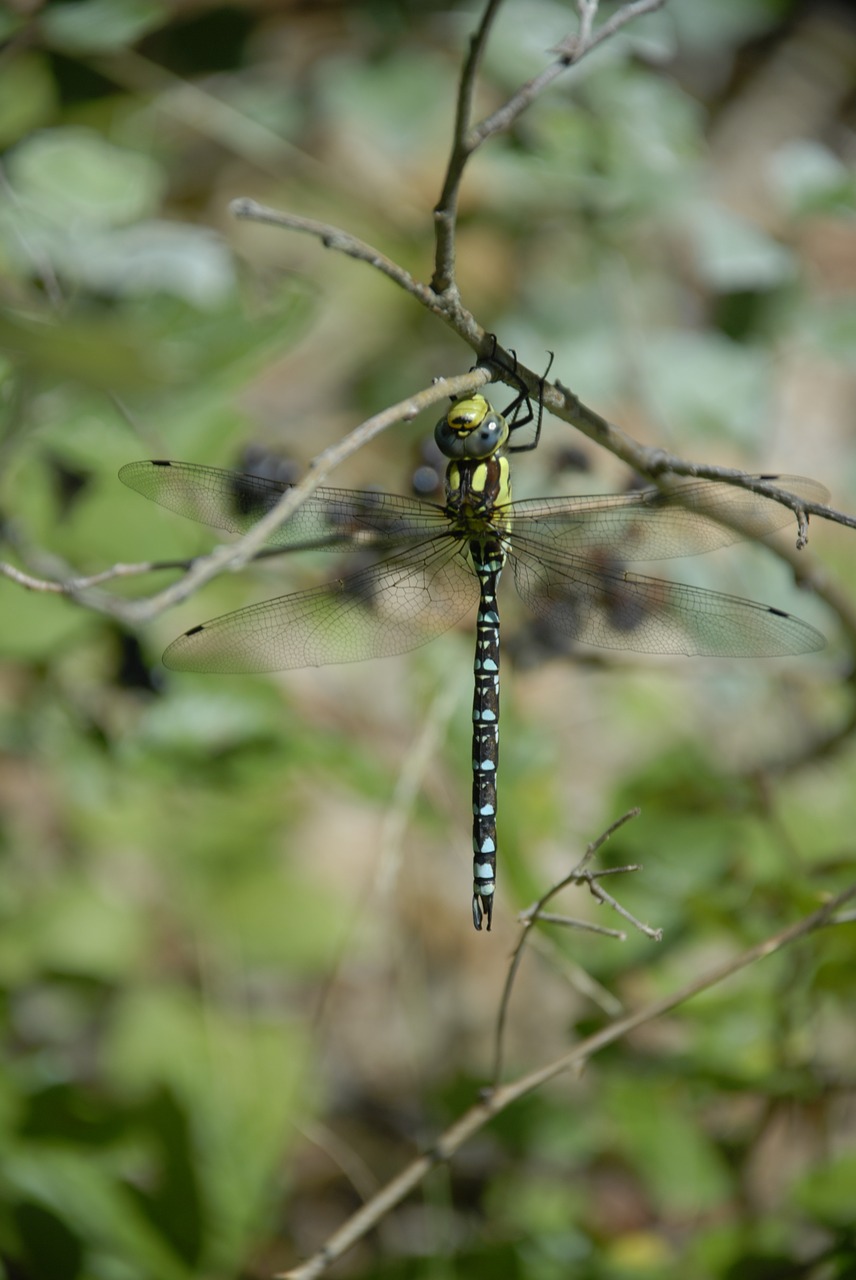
(488, 560)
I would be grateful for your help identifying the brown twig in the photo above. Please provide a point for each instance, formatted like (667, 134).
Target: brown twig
(446, 209)
(466, 140)
(529, 918)
(76, 586)
(235, 555)
(333, 237)
(498, 1100)
(654, 463)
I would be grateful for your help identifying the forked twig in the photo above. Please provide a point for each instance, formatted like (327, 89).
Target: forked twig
(494, 1102)
(446, 209)
(653, 463)
(442, 299)
(467, 140)
(531, 917)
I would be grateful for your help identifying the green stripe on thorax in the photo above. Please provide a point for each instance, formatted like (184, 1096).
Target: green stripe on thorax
(477, 493)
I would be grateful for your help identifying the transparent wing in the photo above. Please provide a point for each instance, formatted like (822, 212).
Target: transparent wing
(340, 519)
(597, 602)
(384, 609)
(648, 525)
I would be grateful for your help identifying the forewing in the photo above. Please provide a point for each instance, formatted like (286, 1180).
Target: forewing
(338, 519)
(598, 603)
(697, 516)
(385, 609)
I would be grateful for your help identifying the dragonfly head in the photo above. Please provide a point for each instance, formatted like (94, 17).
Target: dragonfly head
(471, 429)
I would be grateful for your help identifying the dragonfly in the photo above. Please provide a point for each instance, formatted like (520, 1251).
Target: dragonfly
(430, 564)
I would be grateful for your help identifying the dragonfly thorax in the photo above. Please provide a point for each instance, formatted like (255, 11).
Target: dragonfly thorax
(478, 494)
(471, 429)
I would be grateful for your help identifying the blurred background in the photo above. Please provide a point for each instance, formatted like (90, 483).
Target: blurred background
(240, 986)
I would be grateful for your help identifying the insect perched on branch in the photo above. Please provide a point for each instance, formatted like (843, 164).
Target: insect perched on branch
(568, 557)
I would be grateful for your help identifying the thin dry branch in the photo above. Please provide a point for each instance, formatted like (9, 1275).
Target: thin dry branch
(658, 464)
(76, 586)
(442, 298)
(493, 1103)
(654, 463)
(446, 209)
(571, 51)
(467, 140)
(587, 926)
(447, 307)
(333, 237)
(531, 916)
(235, 555)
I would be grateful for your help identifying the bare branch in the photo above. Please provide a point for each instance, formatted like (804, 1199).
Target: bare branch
(333, 237)
(498, 1100)
(74, 586)
(528, 919)
(446, 210)
(442, 298)
(629, 13)
(588, 926)
(656, 935)
(235, 555)
(466, 140)
(447, 307)
(655, 463)
(588, 12)
(571, 51)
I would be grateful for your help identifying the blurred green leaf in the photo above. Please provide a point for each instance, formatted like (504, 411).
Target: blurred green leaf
(93, 352)
(654, 1127)
(704, 384)
(76, 929)
(828, 1192)
(829, 326)
(149, 258)
(101, 26)
(354, 92)
(206, 720)
(84, 1194)
(732, 253)
(703, 26)
(35, 627)
(27, 97)
(807, 177)
(240, 1080)
(67, 176)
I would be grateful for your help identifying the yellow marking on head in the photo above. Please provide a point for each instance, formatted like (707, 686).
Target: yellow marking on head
(466, 414)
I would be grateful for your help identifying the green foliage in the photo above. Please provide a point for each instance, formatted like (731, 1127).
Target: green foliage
(238, 986)
(101, 26)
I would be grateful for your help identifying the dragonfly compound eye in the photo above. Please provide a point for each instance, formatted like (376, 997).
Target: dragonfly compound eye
(471, 429)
